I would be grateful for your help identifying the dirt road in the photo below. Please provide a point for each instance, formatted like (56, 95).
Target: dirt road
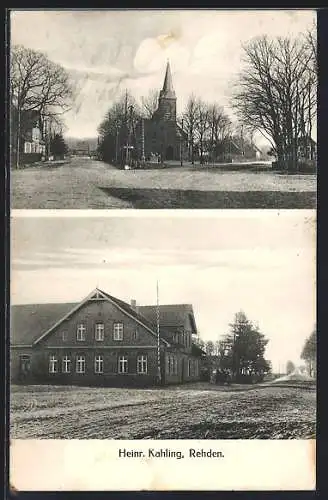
(86, 183)
(263, 412)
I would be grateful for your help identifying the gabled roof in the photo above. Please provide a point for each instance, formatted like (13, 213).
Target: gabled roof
(31, 323)
(170, 315)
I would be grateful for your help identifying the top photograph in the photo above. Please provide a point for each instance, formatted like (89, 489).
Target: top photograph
(163, 109)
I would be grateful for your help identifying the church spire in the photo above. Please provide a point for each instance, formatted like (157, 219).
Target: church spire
(167, 90)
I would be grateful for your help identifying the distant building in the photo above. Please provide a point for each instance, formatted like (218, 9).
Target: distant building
(236, 149)
(163, 137)
(82, 148)
(103, 341)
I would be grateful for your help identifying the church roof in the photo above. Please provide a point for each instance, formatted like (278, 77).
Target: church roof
(168, 90)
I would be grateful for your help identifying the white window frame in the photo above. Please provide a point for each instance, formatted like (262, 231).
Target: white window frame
(80, 364)
(99, 364)
(81, 332)
(53, 364)
(118, 329)
(123, 364)
(64, 336)
(66, 364)
(99, 332)
(142, 364)
(135, 335)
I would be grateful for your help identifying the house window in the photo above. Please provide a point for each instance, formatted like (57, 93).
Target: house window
(64, 336)
(27, 147)
(99, 332)
(122, 364)
(66, 364)
(118, 331)
(189, 367)
(135, 335)
(53, 364)
(80, 364)
(99, 364)
(142, 364)
(80, 333)
(175, 366)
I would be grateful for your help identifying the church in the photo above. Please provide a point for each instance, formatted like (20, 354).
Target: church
(162, 136)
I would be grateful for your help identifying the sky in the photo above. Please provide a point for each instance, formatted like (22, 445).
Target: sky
(108, 51)
(219, 263)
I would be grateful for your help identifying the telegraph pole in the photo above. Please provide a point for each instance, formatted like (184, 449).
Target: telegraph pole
(158, 338)
(181, 139)
(126, 127)
(143, 141)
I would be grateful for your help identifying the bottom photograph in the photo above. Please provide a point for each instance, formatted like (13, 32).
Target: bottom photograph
(163, 327)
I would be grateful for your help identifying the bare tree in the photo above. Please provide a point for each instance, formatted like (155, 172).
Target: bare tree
(149, 103)
(202, 126)
(37, 85)
(190, 123)
(118, 129)
(275, 94)
(219, 128)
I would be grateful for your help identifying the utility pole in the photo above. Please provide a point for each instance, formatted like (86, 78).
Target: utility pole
(158, 338)
(181, 139)
(116, 146)
(126, 127)
(143, 159)
(130, 134)
(235, 356)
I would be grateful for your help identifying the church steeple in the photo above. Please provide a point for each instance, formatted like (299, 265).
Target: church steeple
(167, 98)
(167, 90)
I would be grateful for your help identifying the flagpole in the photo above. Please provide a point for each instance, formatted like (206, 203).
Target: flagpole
(158, 338)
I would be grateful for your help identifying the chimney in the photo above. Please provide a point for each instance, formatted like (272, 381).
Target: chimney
(134, 304)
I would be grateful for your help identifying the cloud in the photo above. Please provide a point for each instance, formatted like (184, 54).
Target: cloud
(152, 54)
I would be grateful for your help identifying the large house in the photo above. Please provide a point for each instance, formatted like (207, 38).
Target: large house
(162, 136)
(103, 341)
(31, 143)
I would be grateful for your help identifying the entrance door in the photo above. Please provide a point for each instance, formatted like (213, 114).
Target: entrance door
(24, 366)
(169, 153)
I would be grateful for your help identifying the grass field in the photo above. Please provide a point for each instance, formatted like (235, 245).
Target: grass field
(198, 411)
(86, 183)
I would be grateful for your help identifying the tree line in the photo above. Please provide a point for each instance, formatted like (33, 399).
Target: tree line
(240, 355)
